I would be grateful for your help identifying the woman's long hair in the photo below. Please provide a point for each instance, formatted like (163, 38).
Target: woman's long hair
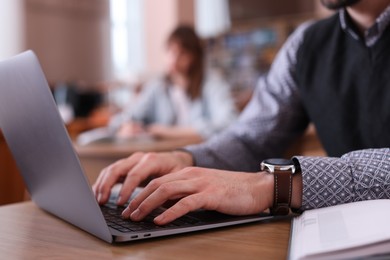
(187, 39)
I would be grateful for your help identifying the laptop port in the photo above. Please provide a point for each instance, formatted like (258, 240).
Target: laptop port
(147, 235)
(132, 237)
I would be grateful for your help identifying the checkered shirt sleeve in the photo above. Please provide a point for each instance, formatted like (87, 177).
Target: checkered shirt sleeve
(356, 176)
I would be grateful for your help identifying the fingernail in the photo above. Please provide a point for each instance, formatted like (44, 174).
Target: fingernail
(159, 219)
(99, 198)
(126, 213)
(135, 215)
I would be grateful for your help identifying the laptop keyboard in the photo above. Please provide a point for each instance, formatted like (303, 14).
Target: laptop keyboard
(112, 214)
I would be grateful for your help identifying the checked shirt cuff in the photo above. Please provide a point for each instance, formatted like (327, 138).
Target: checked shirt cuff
(326, 181)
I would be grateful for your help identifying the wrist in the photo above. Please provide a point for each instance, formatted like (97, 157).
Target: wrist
(263, 190)
(269, 183)
(185, 158)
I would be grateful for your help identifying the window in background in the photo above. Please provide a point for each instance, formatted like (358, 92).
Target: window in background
(127, 51)
(11, 28)
(127, 41)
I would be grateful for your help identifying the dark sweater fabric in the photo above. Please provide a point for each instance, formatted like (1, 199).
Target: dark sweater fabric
(345, 87)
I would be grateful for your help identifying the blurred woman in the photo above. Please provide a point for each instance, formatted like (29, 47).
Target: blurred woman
(186, 102)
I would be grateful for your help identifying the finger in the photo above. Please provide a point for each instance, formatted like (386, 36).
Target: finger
(182, 207)
(147, 166)
(113, 174)
(151, 164)
(98, 179)
(154, 185)
(141, 197)
(134, 178)
(165, 192)
(101, 188)
(96, 186)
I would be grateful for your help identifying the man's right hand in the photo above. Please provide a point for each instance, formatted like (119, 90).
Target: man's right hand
(135, 169)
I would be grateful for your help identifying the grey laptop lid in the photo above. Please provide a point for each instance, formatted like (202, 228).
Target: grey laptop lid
(41, 147)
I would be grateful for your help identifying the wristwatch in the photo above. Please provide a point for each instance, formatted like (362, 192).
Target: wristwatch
(282, 169)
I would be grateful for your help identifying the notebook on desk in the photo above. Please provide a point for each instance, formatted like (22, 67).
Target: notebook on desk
(51, 169)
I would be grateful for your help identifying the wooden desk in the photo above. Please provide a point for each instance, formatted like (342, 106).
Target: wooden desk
(29, 233)
(97, 156)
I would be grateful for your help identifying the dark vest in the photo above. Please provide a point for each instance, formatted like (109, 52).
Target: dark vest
(345, 87)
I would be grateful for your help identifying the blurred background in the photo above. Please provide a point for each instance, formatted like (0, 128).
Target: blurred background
(93, 47)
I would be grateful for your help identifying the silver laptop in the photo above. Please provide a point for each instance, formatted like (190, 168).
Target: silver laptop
(51, 169)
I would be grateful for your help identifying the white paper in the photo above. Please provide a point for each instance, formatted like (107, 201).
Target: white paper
(339, 231)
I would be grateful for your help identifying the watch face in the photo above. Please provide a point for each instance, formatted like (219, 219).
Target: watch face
(278, 162)
(271, 165)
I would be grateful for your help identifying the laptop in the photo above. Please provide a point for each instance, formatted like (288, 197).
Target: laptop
(43, 151)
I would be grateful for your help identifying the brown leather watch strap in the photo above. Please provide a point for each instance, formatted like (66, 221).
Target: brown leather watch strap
(282, 192)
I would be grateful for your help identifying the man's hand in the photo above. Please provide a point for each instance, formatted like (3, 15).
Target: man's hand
(136, 169)
(195, 188)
